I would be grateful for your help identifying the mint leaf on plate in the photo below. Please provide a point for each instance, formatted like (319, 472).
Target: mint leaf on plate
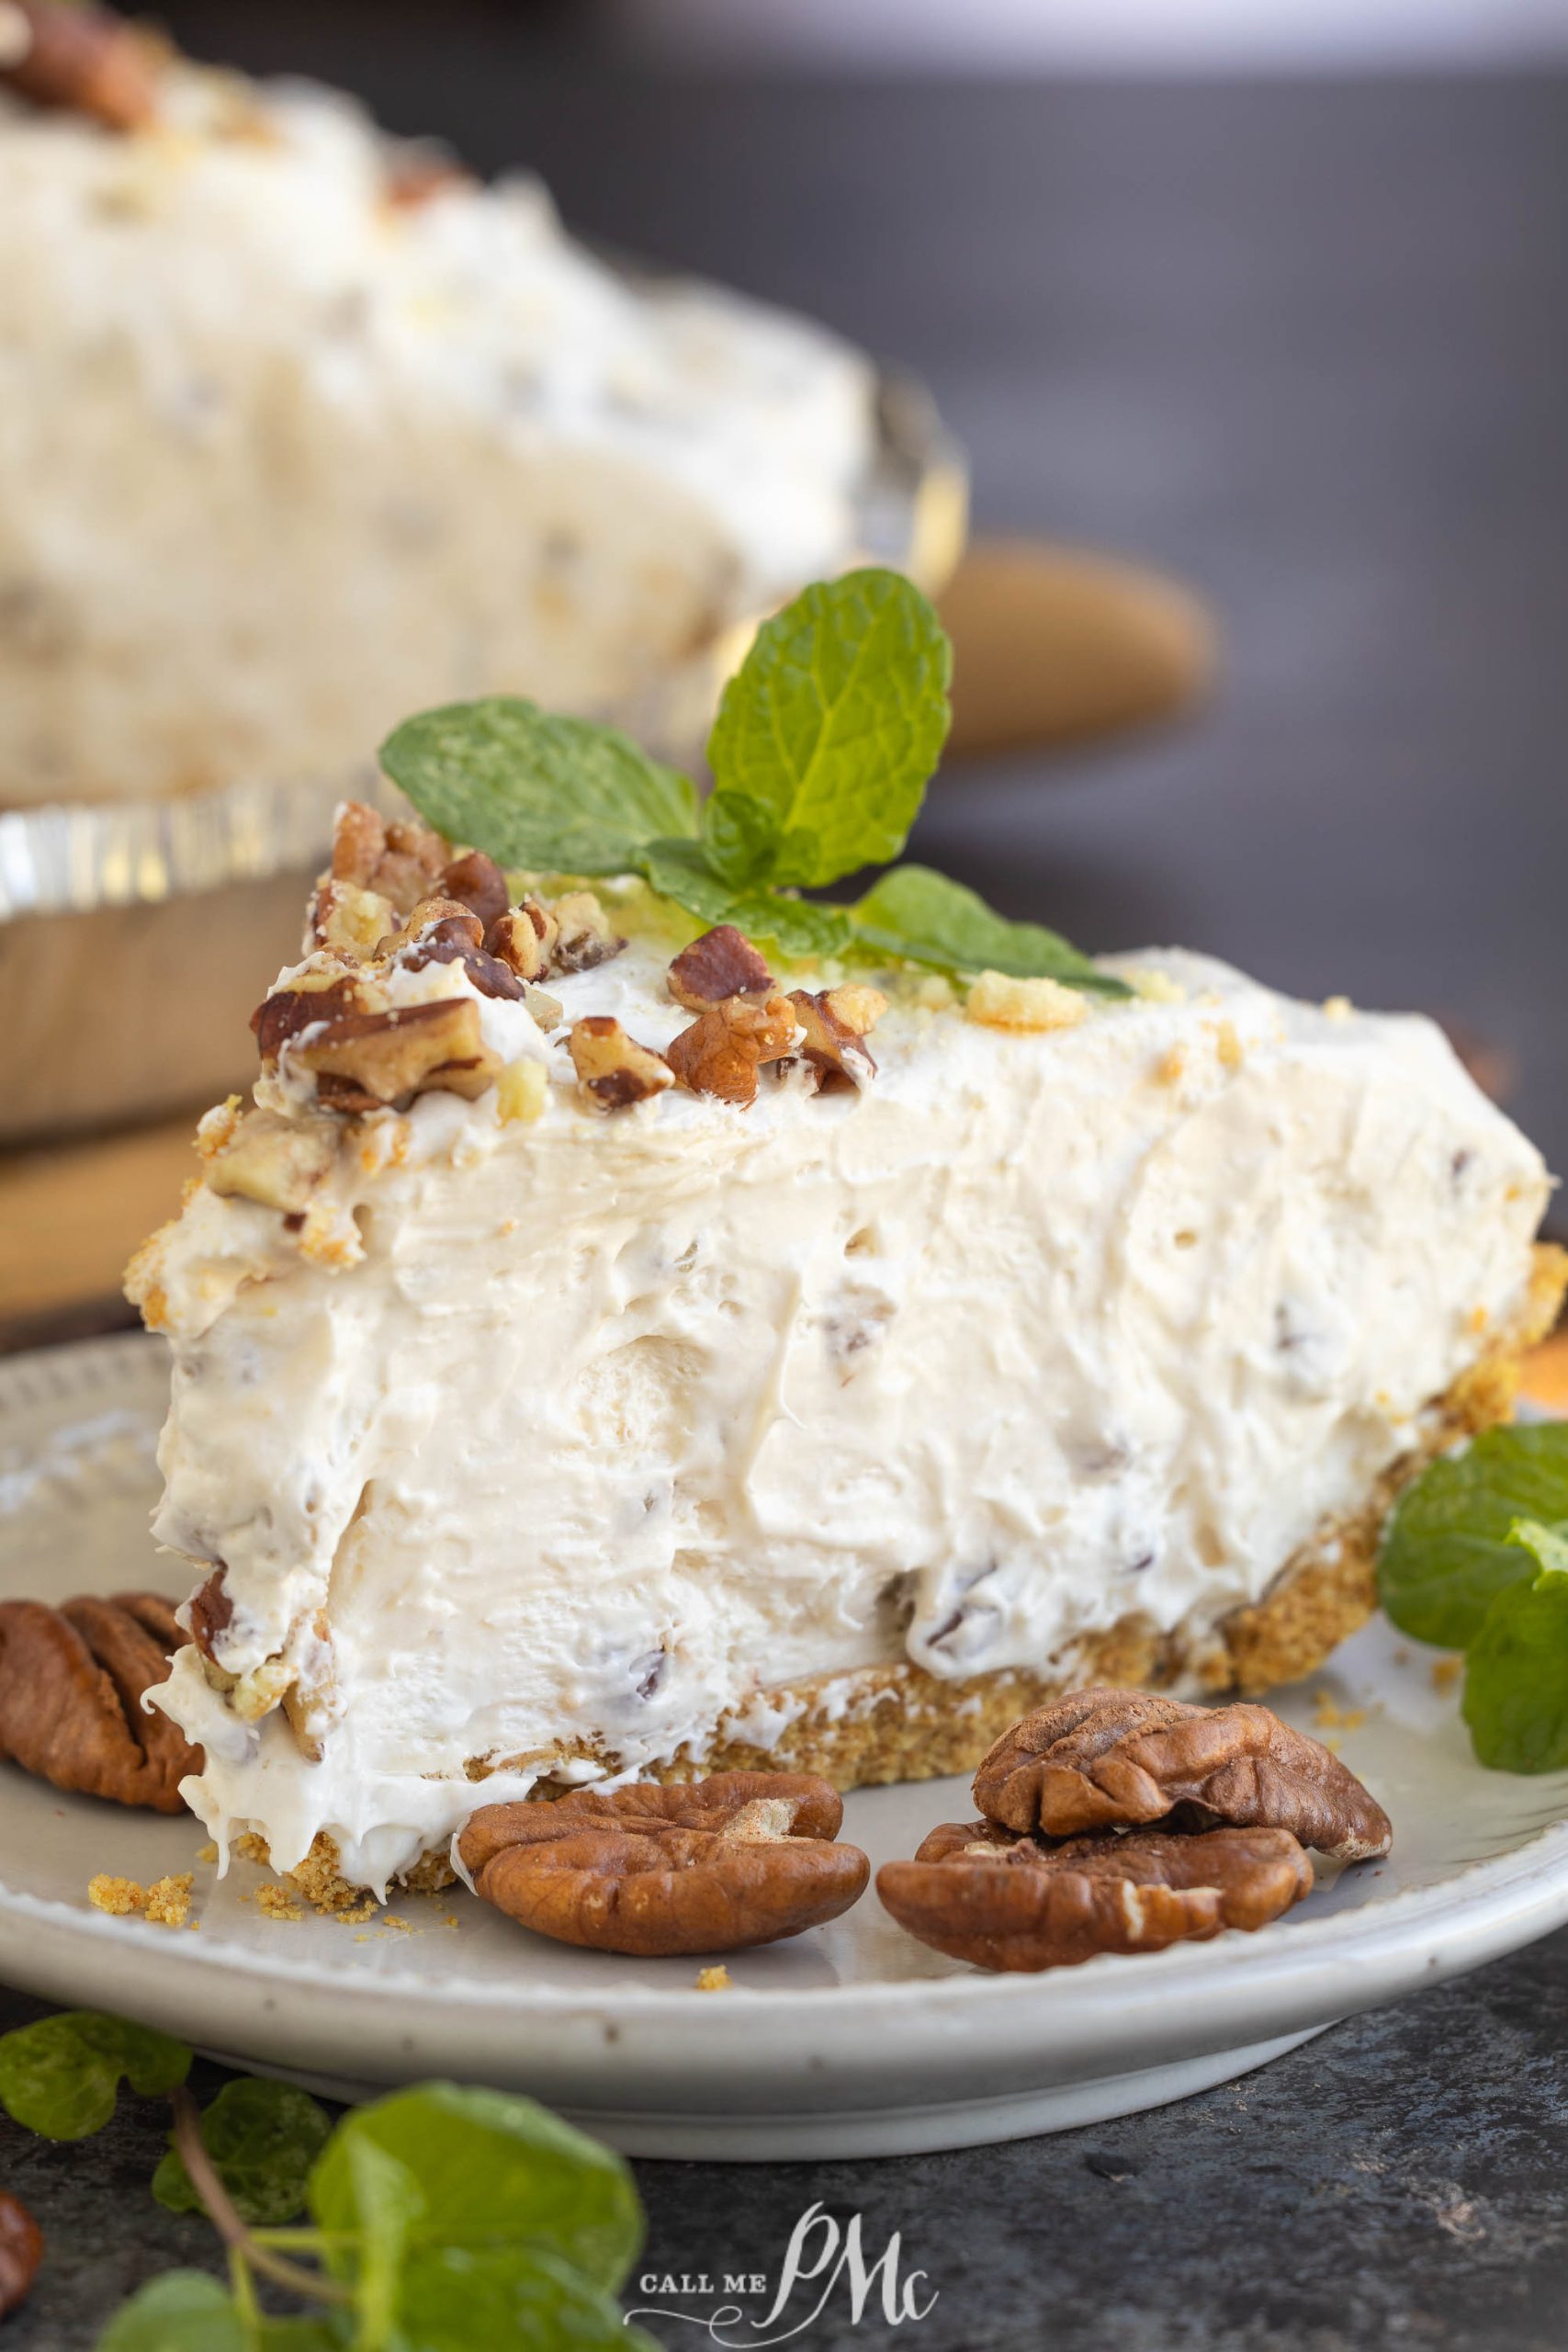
(739, 835)
(492, 2170)
(60, 2076)
(915, 912)
(262, 2138)
(1515, 1682)
(1447, 1553)
(531, 789)
(830, 730)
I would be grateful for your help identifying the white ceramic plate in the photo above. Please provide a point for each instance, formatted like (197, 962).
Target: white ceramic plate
(853, 2040)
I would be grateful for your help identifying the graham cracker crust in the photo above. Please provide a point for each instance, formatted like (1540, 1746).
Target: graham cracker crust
(894, 1722)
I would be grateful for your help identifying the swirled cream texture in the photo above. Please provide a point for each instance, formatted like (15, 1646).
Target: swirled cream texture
(571, 1440)
(282, 458)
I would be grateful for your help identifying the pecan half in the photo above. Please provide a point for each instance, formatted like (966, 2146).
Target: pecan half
(829, 1044)
(978, 1893)
(277, 1161)
(611, 1069)
(724, 1048)
(21, 2250)
(81, 58)
(743, 1859)
(722, 963)
(1107, 1758)
(71, 1681)
(364, 1060)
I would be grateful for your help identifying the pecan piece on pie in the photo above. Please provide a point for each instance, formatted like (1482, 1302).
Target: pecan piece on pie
(611, 1069)
(71, 1681)
(363, 1061)
(479, 882)
(277, 1162)
(400, 861)
(21, 2250)
(1108, 1758)
(722, 963)
(831, 1044)
(86, 58)
(976, 1892)
(744, 1858)
(724, 1048)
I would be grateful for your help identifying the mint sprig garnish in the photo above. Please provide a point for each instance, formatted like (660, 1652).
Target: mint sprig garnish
(1475, 1557)
(441, 2219)
(825, 741)
(923, 915)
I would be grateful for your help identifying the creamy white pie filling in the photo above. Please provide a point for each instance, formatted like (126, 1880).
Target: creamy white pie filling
(599, 1428)
(281, 460)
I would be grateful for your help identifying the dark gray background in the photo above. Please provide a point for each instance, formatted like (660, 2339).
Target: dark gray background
(1307, 346)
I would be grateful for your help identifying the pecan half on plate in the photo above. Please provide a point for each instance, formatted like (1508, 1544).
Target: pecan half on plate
(1104, 1760)
(975, 1893)
(742, 1859)
(70, 1686)
(21, 2250)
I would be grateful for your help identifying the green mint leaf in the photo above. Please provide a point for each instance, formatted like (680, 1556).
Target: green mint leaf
(263, 2137)
(833, 724)
(1516, 1678)
(531, 789)
(800, 927)
(738, 837)
(388, 2203)
(185, 2311)
(1447, 1553)
(60, 2076)
(492, 2170)
(915, 913)
(455, 2300)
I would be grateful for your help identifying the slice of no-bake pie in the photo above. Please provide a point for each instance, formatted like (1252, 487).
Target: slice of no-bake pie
(680, 1326)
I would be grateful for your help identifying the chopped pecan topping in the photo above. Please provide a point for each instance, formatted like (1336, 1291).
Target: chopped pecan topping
(522, 939)
(831, 1045)
(315, 996)
(21, 2250)
(1108, 1758)
(415, 173)
(277, 1161)
(71, 1681)
(611, 1069)
(210, 1612)
(479, 882)
(724, 1048)
(86, 58)
(584, 935)
(743, 1859)
(364, 1060)
(402, 862)
(440, 916)
(452, 937)
(978, 1893)
(348, 920)
(722, 963)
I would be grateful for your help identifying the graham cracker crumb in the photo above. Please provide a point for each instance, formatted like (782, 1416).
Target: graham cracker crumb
(208, 1853)
(251, 1849)
(401, 1927)
(998, 1002)
(118, 1896)
(714, 1980)
(168, 1900)
(449, 1919)
(1446, 1672)
(278, 1902)
(365, 1909)
(1328, 1716)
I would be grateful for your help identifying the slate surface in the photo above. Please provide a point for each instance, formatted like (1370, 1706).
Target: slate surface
(1398, 2181)
(1308, 346)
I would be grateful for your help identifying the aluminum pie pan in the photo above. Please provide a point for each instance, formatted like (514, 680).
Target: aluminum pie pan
(135, 936)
